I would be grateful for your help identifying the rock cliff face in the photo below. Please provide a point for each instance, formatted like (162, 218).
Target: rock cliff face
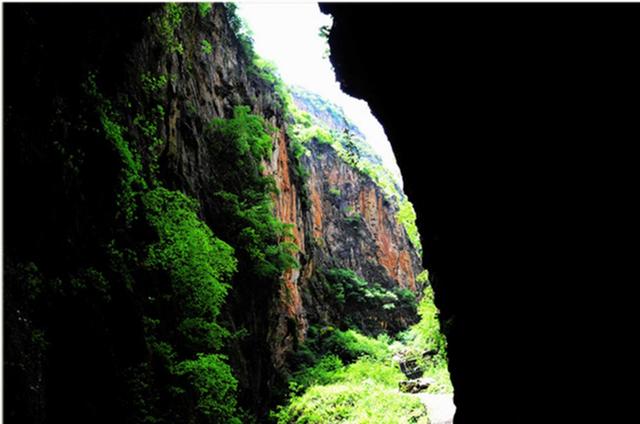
(346, 222)
(354, 226)
(348, 225)
(172, 86)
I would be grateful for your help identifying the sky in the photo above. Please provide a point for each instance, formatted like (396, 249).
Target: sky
(287, 35)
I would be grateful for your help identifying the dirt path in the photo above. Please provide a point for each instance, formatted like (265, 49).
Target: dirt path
(441, 407)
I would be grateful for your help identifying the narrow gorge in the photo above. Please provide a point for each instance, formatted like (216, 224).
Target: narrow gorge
(190, 239)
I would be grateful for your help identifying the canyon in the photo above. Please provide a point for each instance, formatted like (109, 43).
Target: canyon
(123, 125)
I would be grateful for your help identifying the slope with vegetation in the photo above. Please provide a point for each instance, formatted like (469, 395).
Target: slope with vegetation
(344, 376)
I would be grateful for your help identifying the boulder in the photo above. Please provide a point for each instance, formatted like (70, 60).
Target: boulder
(415, 385)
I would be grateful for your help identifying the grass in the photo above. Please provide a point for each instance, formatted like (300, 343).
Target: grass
(362, 392)
(352, 378)
(354, 402)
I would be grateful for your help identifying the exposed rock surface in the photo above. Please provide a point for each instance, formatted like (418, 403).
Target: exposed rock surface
(415, 385)
(327, 113)
(351, 225)
(440, 407)
(410, 367)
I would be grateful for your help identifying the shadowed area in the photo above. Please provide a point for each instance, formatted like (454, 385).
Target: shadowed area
(492, 111)
(185, 244)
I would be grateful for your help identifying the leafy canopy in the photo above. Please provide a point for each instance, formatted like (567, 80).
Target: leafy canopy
(265, 244)
(199, 264)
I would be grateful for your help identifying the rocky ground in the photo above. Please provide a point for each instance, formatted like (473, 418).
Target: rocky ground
(440, 406)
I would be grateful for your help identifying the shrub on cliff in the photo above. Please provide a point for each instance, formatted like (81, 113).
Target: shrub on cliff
(245, 132)
(199, 264)
(428, 336)
(265, 244)
(425, 342)
(177, 273)
(366, 301)
(213, 386)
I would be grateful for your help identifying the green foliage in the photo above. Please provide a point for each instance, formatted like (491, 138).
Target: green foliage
(141, 398)
(167, 25)
(347, 288)
(173, 12)
(350, 345)
(259, 235)
(423, 277)
(131, 180)
(153, 84)
(304, 134)
(353, 218)
(406, 296)
(364, 391)
(298, 149)
(204, 8)
(206, 46)
(199, 264)
(89, 282)
(191, 107)
(334, 191)
(241, 30)
(322, 372)
(213, 385)
(354, 151)
(323, 32)
(149, 128)
(266, 70)
(347, 345)
(439, 372)
(299, 170)
(358, 402)
(257, 66)
(245, 194)
(426, 336)
(379, 370)
(199, 267)
(323, 112)
(305, 128)
(183, 273)
(407, 217)
(427, 331)
(247, 132)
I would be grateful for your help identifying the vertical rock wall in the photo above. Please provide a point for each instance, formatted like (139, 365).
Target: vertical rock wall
(346, 223)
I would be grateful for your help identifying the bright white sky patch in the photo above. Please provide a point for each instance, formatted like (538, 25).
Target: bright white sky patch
(287, 35)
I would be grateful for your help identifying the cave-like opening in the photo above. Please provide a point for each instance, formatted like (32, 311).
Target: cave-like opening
(295, 39)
